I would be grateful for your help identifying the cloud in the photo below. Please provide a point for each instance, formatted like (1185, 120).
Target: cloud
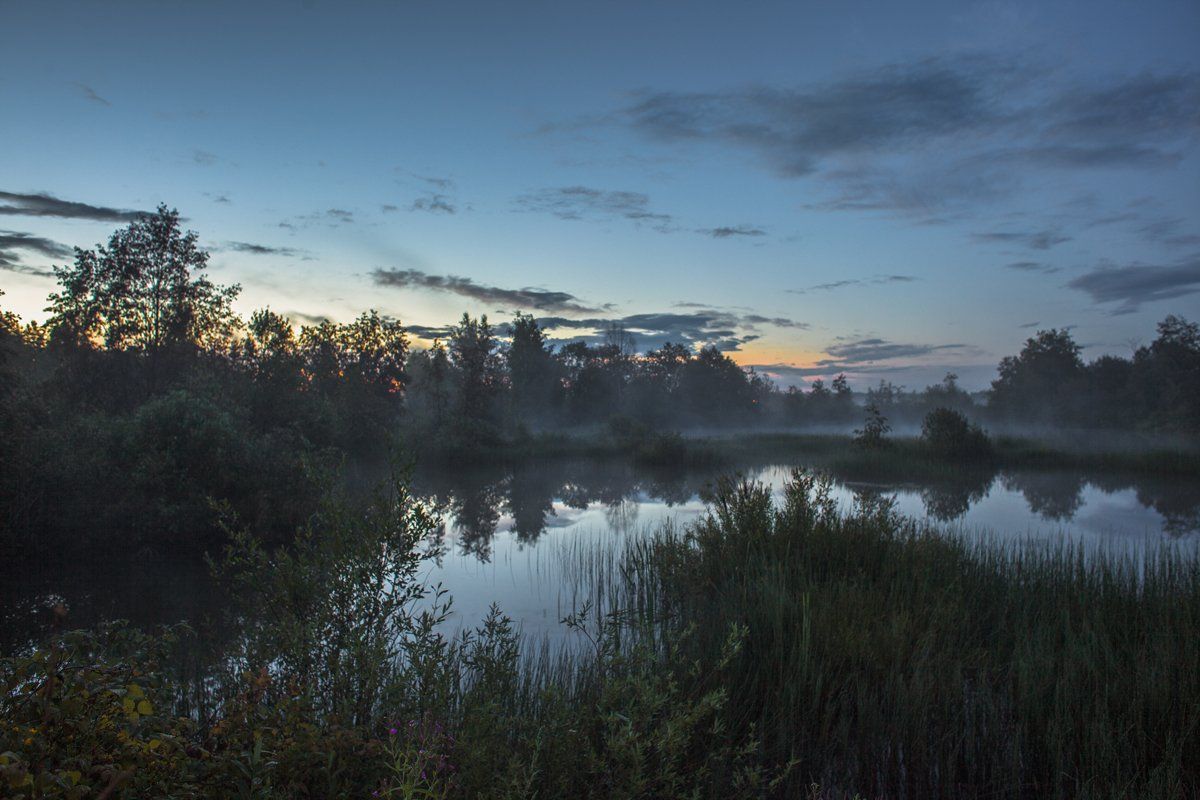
(794, 130)
(727, 331)
(1131, 286)
(429, 331)
(304, 318)
(45, 205)
(204, 158)
(731, 231)
(870, 351)
(11, 241)
(1036, 240)
(90, 94)
(331, 217)
(388, 208)
(440, 183)
(1029, 325)
(1032, 266)
(435, 204)
(877, 280)
(583, 202)
(540, 299)
(264, 250)
(932, 136)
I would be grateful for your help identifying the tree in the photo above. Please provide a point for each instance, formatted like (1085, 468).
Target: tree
(144, 292)
(873, 434)
(533, 373)
(375, 349)
(473, 349)
(1167, 375)
(1042, 381)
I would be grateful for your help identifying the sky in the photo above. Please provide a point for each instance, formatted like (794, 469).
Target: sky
(888, 190)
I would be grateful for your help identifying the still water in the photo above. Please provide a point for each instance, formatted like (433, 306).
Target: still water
(510, 537)
(510, 532)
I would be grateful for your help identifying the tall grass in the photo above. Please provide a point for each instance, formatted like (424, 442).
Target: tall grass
(892, 660)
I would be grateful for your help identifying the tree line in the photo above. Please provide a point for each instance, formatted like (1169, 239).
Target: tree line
(143, 394)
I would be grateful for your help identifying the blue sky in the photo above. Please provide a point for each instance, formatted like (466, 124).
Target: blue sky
(889, 190)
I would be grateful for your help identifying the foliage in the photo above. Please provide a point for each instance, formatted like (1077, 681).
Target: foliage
(947, 433)
(873, 434)
(138, 292)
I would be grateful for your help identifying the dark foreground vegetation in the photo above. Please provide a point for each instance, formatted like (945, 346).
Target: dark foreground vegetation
(143, 408)
(769, 651)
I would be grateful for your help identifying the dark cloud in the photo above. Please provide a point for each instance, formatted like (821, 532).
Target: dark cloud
(429, 331)
(540, 299)
(1132, 285)
(331, 217)
(204, 158)
(725, 330)
(1032, 266)
(45, 205)
(583, 202)
(1029, 325)
(440, 183)
(933, 136)
(727, 232)
(869, 351)
(388, 208)
(264, 250)
(305, 318)
(1036, 240)
(877, 280)
(12, 241)
(90, 94)
(435, 204)
(794, 130)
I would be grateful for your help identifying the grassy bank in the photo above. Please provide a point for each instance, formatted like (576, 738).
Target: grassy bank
(768, 651)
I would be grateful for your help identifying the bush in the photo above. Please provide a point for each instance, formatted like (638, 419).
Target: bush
(873, 434)
(948, 433)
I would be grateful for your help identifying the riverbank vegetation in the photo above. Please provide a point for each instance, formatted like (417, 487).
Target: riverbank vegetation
(772, 650)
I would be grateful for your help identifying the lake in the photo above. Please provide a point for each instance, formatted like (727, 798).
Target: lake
(509, 533)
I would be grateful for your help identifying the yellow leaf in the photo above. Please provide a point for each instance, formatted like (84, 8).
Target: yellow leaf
(135, 691)
(144, 707)
(128, 705)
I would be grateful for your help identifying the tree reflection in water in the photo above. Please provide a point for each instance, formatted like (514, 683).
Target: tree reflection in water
(948, 499)
(478, 499)
(1054, 496)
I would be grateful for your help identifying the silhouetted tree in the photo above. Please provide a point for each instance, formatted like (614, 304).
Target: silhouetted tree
(143, 292)
(873, 434)
(473, 351)
(533, 372)
(1040, 382)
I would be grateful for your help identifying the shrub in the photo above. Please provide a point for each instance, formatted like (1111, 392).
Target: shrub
(873, 434)
(948, 433)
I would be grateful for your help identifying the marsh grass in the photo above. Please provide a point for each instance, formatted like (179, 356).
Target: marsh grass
(892, 659)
